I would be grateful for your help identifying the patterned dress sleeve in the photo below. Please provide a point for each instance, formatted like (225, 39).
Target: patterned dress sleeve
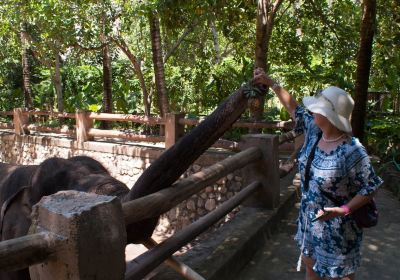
(304, 120)
(363, 178)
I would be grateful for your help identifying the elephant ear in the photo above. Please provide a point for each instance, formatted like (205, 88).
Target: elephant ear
(15, 214)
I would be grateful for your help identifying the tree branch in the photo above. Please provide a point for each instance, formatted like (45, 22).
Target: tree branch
(188, 30)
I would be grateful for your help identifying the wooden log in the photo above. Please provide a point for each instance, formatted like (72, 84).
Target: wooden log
(31, 249)
(126, 118)
(93, 132)
(143, 264)
(176, 160)
(162, 201)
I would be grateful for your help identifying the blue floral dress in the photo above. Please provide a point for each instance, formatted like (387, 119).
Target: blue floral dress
(344, 172)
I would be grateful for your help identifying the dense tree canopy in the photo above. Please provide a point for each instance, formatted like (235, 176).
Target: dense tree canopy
(207, 50)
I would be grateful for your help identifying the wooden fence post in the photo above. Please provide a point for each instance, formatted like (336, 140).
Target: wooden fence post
(173, 129)
(95, 231)
(265, 170)
(83, 124)
(19, 120)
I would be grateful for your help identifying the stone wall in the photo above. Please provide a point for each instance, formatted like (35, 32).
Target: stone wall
(126, 162)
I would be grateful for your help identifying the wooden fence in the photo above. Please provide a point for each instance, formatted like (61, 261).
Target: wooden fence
(54, 247)
(84, 131)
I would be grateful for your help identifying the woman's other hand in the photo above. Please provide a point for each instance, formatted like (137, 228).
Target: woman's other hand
(330, 213)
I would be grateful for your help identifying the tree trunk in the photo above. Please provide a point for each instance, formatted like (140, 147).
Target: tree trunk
(264, 23)
(138, 71)
(107, 73)
(176, 160)
(158, 64)
(26, 72)
(107, 80)
(363, 68)
(58, 84)
(215, 40)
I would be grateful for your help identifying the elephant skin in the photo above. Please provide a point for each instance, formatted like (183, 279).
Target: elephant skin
(26, 185)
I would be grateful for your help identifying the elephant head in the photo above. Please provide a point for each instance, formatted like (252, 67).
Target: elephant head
(28, 184)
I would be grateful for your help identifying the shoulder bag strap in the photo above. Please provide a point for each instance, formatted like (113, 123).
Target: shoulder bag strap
(337, 202)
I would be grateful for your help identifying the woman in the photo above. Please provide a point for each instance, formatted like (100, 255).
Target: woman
(328, 237)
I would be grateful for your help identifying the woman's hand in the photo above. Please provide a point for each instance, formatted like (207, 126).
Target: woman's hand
(260, 78)
(263, 80)
(330, 213)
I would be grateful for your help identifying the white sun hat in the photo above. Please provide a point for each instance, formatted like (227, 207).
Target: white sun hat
(333, 103)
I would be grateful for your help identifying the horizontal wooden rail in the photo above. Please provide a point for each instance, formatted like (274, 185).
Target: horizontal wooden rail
(126, 118)
(50, 114)
(282, 124)
(160, 202)
(124, 135)
(145, 263)
(191, 121)
(244, 124)
(227, 144)
(288, 136)
(234, 146)
(57, 130)
(6, 126)
(6, 113)
(31, 249)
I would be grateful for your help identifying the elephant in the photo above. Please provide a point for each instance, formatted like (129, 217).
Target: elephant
(14, 192)
(24, 186)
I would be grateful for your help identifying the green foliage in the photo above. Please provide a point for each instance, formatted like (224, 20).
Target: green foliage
(314, 44)
(82, 87)
(384, 137)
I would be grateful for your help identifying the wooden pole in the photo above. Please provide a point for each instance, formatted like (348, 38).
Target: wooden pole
(95, 231)
(173, 129)
(83, 124)
(160, 202)
(143, 264)
(20, 121)
(265, 170)
(176, 160)
(31, 249)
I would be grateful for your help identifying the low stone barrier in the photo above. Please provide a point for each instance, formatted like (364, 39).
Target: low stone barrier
(126, 162)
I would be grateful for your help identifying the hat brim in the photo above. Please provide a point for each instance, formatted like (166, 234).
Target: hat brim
(320, 106)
